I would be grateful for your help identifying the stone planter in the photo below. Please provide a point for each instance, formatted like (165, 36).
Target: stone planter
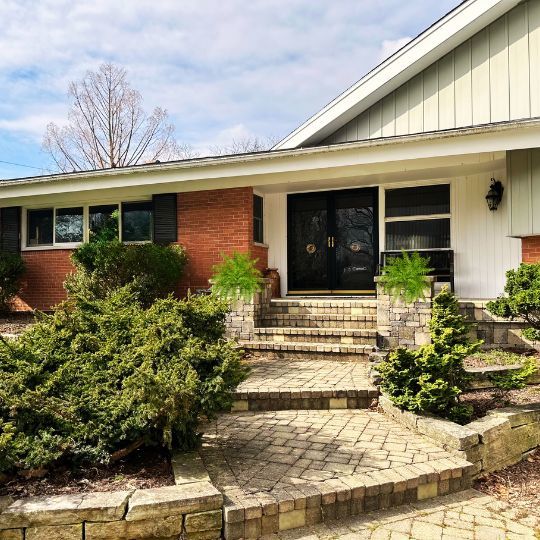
(245, 316)
(191, 510)
(400, 324)
(503, 437)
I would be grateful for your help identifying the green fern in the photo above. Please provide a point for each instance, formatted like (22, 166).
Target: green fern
(406, 277)
(237, 277)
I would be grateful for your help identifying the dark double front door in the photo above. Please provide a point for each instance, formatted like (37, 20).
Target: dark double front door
(332, 242)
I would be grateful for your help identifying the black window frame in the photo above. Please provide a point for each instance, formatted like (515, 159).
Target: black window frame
(258, 220)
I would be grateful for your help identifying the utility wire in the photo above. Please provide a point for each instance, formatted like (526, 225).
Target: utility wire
(27, 166)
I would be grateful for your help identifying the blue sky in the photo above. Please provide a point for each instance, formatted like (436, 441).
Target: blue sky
(223, 69)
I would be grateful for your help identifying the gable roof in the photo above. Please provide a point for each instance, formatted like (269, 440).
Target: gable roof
(458, 25)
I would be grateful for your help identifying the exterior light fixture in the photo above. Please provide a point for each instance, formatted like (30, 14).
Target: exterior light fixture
(494, 195)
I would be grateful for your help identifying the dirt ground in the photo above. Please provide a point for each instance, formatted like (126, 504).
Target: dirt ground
(486, 399)
(144, 468)
(518, 485)
(15, 323)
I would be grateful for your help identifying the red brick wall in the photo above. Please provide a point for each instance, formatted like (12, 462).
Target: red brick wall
(209, 223)
(530, 249)
(214, 222)
(46, 271)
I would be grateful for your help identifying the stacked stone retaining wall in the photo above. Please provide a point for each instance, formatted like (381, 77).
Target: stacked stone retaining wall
(191, 511)
(501, 438)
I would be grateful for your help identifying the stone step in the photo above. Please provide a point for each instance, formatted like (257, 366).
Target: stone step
(329, 320)
(289, 469)
(276, 385)
(298, 350)
(367, 336)
(323, 307)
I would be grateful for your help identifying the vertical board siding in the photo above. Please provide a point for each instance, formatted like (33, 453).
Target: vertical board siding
(483, 249)
(275, 234)
(523, 169)
(492, 77)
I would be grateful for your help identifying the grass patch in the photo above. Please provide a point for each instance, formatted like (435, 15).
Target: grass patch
(496, 357)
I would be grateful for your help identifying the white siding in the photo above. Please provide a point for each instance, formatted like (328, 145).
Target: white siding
(483, 249)
(275, 234)
(492, 77)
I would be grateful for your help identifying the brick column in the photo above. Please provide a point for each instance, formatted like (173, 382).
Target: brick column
(530, 249)
(245, 316)
(400, 324)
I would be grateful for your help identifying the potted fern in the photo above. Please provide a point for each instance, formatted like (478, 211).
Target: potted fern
(237, 278)
(406, 277)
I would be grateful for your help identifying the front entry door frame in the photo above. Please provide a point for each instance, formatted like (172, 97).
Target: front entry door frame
(330, 246)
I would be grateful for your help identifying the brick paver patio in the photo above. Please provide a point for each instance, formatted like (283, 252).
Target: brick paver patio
(262, 451)
(460, 516)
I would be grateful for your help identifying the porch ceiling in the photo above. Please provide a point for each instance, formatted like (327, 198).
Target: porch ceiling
(391, 173)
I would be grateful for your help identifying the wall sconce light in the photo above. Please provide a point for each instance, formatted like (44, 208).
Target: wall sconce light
(494, 195)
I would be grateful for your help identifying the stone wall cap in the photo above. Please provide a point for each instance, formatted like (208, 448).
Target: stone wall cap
(449, 433)
(182, 499)
(65, 509)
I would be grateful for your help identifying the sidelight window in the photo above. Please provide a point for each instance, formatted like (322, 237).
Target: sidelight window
(258, 223)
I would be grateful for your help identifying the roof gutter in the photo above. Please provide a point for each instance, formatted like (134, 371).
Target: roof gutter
(205, 163)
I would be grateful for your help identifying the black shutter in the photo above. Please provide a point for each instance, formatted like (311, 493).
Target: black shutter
(10, 229)
(165, 218)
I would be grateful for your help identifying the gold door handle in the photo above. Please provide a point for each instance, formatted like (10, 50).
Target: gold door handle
(331, 240)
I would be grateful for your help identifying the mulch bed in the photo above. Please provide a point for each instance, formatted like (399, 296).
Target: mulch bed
(486, 399)
(518, 484)
(15, 323)
(145, 468)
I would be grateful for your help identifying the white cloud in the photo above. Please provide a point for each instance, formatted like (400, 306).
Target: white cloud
(220, 68)
(390, 46)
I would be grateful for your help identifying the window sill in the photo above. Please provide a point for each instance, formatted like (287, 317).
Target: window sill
(53, 247)
(260, 244)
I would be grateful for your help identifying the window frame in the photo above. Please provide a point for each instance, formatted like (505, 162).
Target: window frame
(66, 244)
(121, 223)
(86, 222)
(261, 219)
(418, 217)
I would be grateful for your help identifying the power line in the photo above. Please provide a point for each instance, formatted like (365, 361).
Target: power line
(27, 166)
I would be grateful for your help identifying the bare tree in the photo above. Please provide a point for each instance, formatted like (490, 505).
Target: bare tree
(244, 145)
(107, 126)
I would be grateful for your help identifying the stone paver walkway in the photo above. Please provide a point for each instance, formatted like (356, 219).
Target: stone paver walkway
(460, 516)
(263, 451)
